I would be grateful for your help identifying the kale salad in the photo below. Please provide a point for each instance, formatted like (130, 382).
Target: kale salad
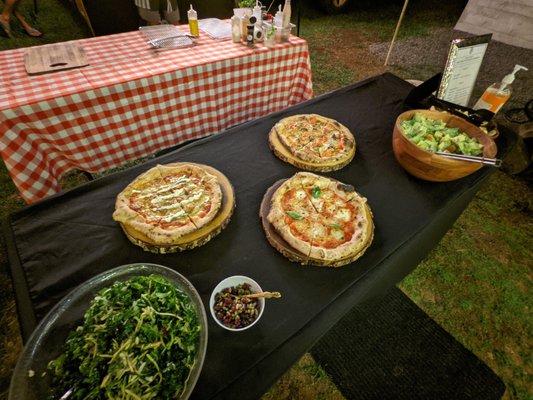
(138, 340)
(433, 135)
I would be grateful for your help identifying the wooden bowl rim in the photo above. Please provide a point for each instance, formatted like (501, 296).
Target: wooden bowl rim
(432, 154)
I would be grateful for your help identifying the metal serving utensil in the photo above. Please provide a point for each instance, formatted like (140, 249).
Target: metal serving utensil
(67, 394)
(494, 162)
(157, 42)
(266, 295)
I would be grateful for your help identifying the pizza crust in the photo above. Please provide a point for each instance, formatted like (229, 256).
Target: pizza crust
(160, 192)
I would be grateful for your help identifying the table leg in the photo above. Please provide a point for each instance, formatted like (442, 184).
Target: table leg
(298, 17)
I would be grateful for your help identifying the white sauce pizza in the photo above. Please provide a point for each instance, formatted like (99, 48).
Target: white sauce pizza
(169, 201)
(315, 139)
(321, 217)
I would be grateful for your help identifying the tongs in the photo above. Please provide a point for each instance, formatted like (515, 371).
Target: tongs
(494, 162)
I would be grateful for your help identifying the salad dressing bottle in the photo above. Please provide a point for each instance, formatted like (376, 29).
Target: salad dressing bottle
(287, 14)
(192, 16)
(497, 94)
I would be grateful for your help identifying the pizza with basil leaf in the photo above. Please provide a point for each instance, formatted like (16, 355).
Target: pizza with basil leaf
(321, 217)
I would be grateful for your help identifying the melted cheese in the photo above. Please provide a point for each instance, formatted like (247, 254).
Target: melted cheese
(343, 214)
(300, 194)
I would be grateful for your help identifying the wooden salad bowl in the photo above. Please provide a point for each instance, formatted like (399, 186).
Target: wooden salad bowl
(429, 166)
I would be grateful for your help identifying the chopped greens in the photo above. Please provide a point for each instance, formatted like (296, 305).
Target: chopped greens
(433, 135)
(138, 340)
(335, 226)
(294, 215)
(316, 192)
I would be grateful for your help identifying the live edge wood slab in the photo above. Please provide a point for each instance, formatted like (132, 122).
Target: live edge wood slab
(202, 235)
(276, 241)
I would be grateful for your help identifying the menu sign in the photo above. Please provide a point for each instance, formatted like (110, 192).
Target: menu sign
(460, 74)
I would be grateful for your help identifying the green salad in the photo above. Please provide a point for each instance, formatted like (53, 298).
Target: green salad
(433, 135)
(138, 340)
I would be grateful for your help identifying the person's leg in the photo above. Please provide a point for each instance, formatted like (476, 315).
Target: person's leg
(173, 17)
(30, 30)
(5, 16)
(9, 5)
(151, 17)
(171, 11)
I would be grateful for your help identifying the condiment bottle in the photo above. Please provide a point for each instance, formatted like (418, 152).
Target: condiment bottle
(287, 14)
(236, 29)
(250, 32)
(278, 18)
(258, 13)
(244, 24)
(497, 94)
(192, 16)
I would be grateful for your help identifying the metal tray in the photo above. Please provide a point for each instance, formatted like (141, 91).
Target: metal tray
(166, 37)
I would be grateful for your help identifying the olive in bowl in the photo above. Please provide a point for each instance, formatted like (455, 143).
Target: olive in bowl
(231, 309)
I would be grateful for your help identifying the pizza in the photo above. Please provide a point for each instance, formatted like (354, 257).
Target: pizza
(322, 218)
(312, 142)
(169, 202)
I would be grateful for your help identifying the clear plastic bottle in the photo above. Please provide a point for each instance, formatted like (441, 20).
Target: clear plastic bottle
(287, 14)
(192, 16)
(236, 29)
(497, 94)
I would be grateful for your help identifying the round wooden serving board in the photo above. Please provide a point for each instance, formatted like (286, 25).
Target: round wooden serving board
(202, 235)
(283, 154)
(275, 239)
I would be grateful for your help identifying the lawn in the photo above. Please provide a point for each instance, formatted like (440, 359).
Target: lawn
(475, 282)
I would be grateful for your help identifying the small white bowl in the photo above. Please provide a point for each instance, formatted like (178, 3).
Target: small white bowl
(230, 282)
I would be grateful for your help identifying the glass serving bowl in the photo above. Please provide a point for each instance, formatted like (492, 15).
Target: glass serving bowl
(47, 340)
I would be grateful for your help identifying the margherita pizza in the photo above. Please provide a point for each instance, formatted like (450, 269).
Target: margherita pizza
(169, 201)
(324, 219)
(312, 142)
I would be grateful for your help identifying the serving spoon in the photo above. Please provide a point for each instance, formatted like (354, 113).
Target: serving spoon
(266, 295)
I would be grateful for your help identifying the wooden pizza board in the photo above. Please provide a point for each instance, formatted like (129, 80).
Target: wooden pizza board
(54, 57)
(202, 235)
(284, 154)
(275, 239)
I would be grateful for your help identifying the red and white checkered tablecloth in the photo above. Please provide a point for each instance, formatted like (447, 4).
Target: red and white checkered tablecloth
(132, 101)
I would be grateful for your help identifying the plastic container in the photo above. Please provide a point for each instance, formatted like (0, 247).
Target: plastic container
(281, 34)
(47, 340)
(236, 29)
(287, 14)
(192, 16)
(497, 94)
(270, 35)
(230, 282)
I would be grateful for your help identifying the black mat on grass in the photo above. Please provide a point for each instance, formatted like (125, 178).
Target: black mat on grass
(393, 350)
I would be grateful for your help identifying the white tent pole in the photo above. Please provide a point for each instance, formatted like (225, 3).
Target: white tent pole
(396, 31)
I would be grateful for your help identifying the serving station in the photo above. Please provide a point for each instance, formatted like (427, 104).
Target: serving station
(63, 241)
(133, 100)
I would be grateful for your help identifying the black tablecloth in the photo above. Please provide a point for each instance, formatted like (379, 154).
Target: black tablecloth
(61, 242)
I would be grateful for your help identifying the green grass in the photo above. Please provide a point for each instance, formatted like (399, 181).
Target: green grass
(54, 19)
(475, 283)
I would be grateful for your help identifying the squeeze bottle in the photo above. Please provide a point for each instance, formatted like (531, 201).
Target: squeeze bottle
(287, 14)
(497, 94)
(278, 18)
(192, 16)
